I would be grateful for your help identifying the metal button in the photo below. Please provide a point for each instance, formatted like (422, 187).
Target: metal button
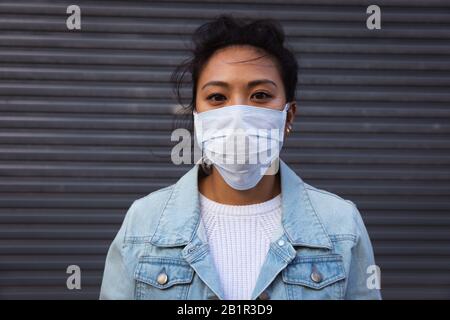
(316, 276)
(190, 250)
(281, 243)
(162, 278)
(264, 296)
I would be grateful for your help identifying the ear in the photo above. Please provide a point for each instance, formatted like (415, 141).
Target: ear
(291, 113)
(290, 116)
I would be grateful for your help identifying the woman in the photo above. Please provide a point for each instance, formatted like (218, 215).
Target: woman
(240, 224)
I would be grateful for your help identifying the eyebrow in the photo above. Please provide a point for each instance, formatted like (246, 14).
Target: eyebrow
(251, 84)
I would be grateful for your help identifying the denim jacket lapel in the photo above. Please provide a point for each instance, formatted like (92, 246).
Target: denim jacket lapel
(179, 225)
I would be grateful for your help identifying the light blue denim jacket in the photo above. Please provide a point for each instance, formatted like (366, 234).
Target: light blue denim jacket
(161, 251)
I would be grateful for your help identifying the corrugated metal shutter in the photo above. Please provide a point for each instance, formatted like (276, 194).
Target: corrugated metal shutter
(86, 116)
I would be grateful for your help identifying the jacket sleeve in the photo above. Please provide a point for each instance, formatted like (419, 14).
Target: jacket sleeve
(118, 281)
(363, 274)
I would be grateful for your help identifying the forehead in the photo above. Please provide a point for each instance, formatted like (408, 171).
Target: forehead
(240, 62)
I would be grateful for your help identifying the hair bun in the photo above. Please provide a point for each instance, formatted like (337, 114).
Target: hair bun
(268, 28)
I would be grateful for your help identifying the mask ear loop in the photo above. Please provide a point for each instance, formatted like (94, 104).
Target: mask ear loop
(289, 126)
(205, 163)
(286, 106)
(274, 166)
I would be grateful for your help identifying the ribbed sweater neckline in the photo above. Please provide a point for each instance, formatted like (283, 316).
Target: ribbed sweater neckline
(261, 208)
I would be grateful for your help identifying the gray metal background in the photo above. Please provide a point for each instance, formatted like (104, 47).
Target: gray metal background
(85, 121)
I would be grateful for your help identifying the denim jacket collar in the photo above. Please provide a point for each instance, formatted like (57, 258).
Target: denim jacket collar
(180, 216)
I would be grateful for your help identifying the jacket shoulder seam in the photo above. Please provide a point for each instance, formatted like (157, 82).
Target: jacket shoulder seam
(135, 239)
(311, 188)
(155, 192)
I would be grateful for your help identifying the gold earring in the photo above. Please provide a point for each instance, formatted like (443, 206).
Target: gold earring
(289, 129)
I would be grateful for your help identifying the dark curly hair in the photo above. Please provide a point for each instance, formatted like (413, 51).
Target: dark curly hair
(226, 30)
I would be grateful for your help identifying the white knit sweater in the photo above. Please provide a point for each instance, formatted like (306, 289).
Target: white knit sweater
(239, 237)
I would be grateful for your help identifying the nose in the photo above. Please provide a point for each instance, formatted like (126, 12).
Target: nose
(239, 101)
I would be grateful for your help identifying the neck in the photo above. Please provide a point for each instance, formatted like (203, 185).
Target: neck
(214, 187)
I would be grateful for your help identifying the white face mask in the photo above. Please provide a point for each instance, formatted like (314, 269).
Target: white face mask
(241, 141)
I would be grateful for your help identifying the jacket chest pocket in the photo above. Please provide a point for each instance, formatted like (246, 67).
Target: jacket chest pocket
(162, 278)
(315, 277)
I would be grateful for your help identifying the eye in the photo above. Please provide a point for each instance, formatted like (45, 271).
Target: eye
(216, 97)
(261, 95)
